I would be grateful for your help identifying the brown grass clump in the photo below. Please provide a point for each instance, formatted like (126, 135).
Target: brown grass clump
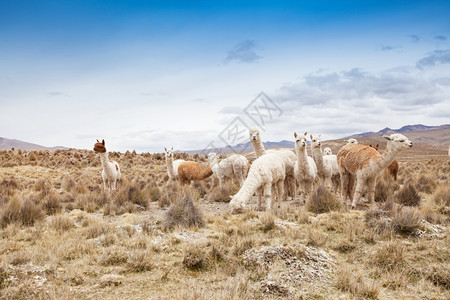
(62, 223)
(267, 222)
(408, 195)
(316, 238)
(406, 220)
(25, 212)
(353, 282)
(184, 213)
(385, 187)
(140, 260)
(441, 199)
(195, 258)
(389, 256)
(323, 200)
(426, 184)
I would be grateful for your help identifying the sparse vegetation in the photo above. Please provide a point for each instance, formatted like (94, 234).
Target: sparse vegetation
(63, 237)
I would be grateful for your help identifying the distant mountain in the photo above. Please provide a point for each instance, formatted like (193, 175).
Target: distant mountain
(7, 144)
(431, 135)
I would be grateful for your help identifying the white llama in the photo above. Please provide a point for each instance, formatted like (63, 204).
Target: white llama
(266, 172)
(111, 170)
(327, 151)
(234, 166)
(305, 167)
(287, 156)
(172, 166)
(327, 166)
(351, 141)
(364, 164)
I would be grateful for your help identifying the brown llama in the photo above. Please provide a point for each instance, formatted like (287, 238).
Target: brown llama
(393, 168)
(189, 171)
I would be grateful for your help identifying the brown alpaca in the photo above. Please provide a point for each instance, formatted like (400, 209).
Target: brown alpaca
(192, 171)
(393, 168)
(362, 165)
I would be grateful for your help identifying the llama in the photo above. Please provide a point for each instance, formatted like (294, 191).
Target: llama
(327, 166)
(288, 157)
(234, 166)
(351, 141)
(392, 168)
(327, 151)
(305, 167)
(111, 170)
(172, 166)
(363, 164)
(266, 173)
(191, 171)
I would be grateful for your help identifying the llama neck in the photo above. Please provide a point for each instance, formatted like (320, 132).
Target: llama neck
(318, 158)
(251, 184)
(169, 163)
(387, 158)
(258, 147)
(214, 163)
(104, 159)
(302, 159)
(206, 172)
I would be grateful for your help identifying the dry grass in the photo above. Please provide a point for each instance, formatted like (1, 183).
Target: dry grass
(63, 238)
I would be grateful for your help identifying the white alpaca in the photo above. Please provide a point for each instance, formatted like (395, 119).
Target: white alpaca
(234, 166)
(172, 166)
(266, 172)
(287, 156)
(305, 167)
(364, 164)
(327, 151)
(327, 166)
(111, 170)
(351, 141)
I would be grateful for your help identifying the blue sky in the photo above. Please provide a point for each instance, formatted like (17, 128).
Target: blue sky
(148, 74)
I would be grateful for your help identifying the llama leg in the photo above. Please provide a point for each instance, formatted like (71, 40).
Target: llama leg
(358, 191)
(371, 190)
(268, 195)
(344, 185)
(259, 192)
(280, 192)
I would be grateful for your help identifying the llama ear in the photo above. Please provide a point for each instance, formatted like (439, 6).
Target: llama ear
(377, 146)
(320, 135)
(306, 133)
(311, 136)
(98, 141)
(165, 149)
(295, 134)
(171, 148)
(103, 142)
(387, 137)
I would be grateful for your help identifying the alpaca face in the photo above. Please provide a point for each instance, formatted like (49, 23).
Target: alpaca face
(398, 141)
(315, 141)
(327, 151)
(212, 157)
(100, 147)
(351, 141)
(254, 134)
(169, 152)
(300, 140)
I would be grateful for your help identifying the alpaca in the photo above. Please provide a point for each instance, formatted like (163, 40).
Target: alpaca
(392, 168)
(305, 167)
(327, 151)
(351, 141)
(327, 166)
(288, 157)
(172, 166)
(266, 173)
(234, 166)
(363, 164)
(111, 170)
(189, 171)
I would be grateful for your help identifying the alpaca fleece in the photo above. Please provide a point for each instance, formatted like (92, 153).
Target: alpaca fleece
(305, 167)
(110, 168)
(234, 166)
(192, 171)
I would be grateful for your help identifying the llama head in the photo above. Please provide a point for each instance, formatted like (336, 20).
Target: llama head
(351, 141)
(315, 141)
(254, 134)
(212, 157)
(300, 140)
(374, 146)
(397, 142)
(100, 147)
(169, 152)
(327, 151)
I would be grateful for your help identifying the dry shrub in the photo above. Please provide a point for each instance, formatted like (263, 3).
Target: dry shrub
(408, 195)
(62, 223)
(316, 238)
(52, 204)
(353, 282)
(140, 260)
(195, 258)
(218, 194)
(184, 213)
(168, 194)
(131, 193)
(406, 220)
(113, 256)
(25, 212)
(439, 276)
(8, 187)
(267, 222)
(426, 184)
(389, 256)
(385, 187)
(441, 199)
(379, 221)
(323, 200)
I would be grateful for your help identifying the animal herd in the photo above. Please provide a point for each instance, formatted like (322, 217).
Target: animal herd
(279, 174)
